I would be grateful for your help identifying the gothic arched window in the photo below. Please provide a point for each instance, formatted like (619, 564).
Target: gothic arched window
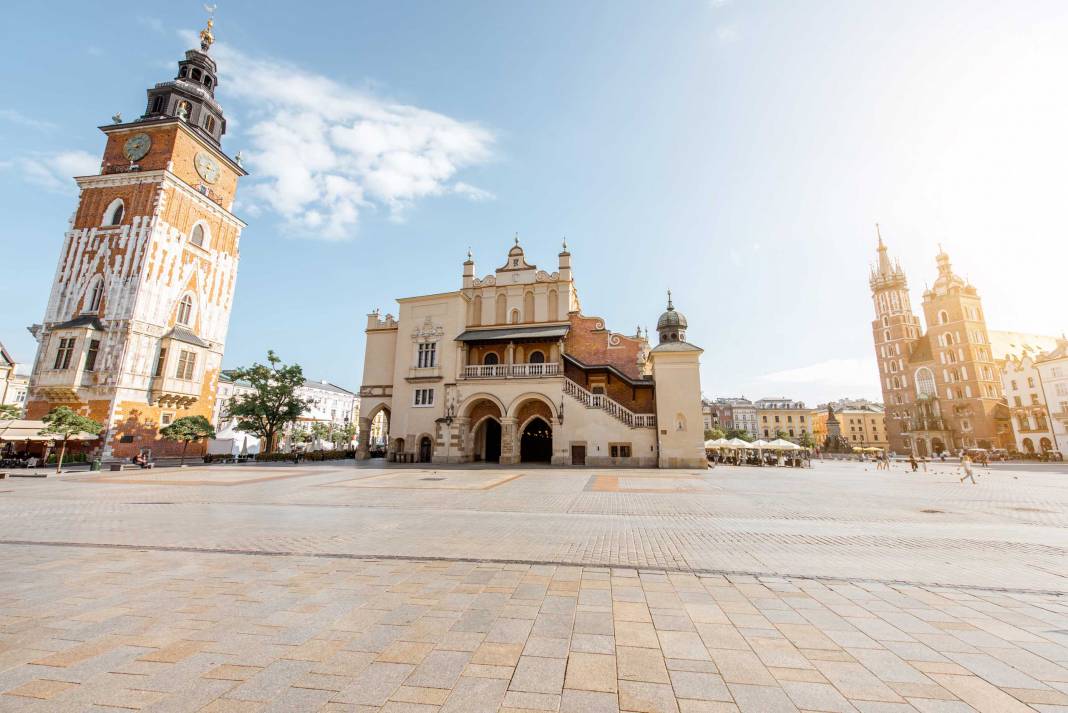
(925, 382)
(185, 310)
(536, 357)
(95, 293)
(490, 358)
(197, 236)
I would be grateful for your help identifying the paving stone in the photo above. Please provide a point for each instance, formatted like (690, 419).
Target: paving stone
(641, 664)
(573, 701)
(816, 697)
(439, 669)
(591, 672)
(538, 675)
(475, 695)
(645, 697)
(698, 685)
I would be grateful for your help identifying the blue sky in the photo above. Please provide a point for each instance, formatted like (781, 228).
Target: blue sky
(736, 152)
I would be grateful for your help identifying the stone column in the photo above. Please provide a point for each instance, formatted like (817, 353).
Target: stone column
(509, 442)
(465, 444)
(363, 444)
(561, 454)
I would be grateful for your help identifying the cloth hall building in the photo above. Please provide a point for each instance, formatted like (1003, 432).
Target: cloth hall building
(507, 369)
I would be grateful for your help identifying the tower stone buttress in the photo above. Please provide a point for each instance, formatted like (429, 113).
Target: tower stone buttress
(136, 322)
(895, 331)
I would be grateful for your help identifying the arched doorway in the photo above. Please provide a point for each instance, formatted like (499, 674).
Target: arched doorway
(398, 447)
(1045, 444)
(921, 447)
(487, 436)
(536, 443)
(1029, 445)
(426, 448)
(937, 446)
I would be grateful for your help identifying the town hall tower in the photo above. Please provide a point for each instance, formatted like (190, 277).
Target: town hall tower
(136, 322)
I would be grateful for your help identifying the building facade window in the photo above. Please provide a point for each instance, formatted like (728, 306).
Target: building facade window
(198, 235)
(424, 397)
(427, 355)
(113, 214)
(160, 361)
(64, 353)
(91, 354)
(95, 293)
(185, 310)
(619, 450)
(925, 383)
(187, 362)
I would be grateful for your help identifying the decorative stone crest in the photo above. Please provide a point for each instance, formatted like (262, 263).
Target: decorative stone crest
(427, 330)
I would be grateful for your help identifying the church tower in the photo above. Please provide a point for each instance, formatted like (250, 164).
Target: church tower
(895, 330)
(968, 380)
(136, 322)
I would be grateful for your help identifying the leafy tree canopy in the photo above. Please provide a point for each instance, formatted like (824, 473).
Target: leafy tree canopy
(273, 402)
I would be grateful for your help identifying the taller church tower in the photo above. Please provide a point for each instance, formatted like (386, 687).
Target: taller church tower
(895, 330)
(134, 331)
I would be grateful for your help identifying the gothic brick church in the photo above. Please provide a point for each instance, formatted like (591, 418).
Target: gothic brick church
(941, 387)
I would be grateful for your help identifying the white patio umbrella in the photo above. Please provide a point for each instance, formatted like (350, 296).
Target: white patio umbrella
(784, 445)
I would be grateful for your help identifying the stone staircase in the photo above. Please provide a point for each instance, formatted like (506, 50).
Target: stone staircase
(612, 408)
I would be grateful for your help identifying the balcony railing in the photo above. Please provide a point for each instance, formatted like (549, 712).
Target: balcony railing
(510, 371)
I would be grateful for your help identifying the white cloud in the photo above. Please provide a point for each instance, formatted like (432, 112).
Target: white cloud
(322, 151)
(473, 193)
(826, 379)
(56, 170)
(15, 117)
(832, 371)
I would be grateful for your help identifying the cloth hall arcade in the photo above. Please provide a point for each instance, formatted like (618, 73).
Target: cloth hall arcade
(507, 369)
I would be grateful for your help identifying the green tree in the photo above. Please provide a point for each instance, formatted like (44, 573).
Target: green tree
(63, 423)
(782, 435)
(343, 435)
(188, 429)
(712, 434)
(322, 432)
(9, 412)
(739, 433)
(273, 403)
(805, 441)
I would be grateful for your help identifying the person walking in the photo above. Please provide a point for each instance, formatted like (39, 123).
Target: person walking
(913, 463)
(966, 465)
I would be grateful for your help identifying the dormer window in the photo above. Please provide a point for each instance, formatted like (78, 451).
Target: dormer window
(157, 104)
(113, 214)
(185, 310)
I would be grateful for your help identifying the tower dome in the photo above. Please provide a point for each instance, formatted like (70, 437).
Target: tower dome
(672, 324)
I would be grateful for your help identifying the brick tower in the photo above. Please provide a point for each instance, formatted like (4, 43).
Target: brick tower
(895, 330)
(135, 326)
(941, 388)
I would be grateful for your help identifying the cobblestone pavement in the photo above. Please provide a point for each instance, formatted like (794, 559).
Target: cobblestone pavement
(336, 588)
(837, 520)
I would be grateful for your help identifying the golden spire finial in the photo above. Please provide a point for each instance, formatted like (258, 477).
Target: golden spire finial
(206, 37)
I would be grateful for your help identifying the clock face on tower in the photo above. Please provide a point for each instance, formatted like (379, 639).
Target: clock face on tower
(137, 146)
(206, 166)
